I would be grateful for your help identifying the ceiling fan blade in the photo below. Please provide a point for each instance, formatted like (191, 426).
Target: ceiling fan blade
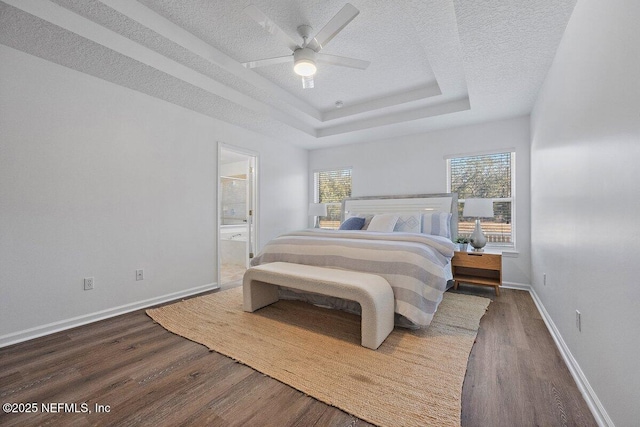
(342, 61)
(333, 27)
(268, 61)
(307, 82)
(266, 23)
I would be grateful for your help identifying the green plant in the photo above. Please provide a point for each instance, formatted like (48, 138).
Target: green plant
(462, 239)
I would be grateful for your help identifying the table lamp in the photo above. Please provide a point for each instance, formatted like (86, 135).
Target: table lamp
(478, 208)
(317, 210)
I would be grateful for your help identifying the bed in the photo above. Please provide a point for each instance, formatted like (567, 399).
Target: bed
(413, 253)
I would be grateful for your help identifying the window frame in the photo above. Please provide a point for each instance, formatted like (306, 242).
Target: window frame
(512, 199)
(316, 185)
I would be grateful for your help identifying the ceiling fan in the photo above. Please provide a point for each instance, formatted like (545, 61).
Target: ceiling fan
(307, 54)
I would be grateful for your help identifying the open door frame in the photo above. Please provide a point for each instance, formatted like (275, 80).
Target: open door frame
(252, 206)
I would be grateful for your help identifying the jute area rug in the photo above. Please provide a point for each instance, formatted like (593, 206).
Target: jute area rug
(413, 379)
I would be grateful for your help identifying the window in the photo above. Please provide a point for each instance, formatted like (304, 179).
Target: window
(489, 176)
(330, 188)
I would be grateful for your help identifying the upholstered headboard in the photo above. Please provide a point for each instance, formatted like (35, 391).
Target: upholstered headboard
(442, 202)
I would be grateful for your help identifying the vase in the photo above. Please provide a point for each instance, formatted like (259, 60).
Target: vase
(477, 239)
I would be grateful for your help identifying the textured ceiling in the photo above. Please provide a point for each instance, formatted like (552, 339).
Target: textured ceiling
(434, 63)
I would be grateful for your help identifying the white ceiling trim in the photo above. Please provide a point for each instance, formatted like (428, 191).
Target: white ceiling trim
(389, 101)
(167, 29)
(152, 20)
(88, 29)
(465, 50)
(404, 116)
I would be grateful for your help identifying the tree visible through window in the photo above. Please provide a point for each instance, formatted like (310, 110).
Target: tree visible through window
(487, 176)
(331, 187)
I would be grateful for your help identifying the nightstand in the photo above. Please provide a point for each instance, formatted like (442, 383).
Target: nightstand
(477, 268)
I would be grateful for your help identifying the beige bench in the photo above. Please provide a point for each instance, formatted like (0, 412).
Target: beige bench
(260, 288)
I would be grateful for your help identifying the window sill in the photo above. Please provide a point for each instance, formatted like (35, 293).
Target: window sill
(505, 252)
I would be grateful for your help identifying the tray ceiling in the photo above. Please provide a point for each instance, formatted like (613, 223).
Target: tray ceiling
(434, 64)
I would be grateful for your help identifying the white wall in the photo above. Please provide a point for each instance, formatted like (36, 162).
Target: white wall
(416, 164)
(586, 197)
(99, 180)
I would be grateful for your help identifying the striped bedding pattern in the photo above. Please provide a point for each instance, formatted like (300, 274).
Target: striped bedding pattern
(413, 264)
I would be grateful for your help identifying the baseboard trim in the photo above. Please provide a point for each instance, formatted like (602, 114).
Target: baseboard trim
(590, 397)
(39, 331)
(517, 286)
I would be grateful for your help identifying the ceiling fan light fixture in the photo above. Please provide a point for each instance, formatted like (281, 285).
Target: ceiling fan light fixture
(304, 62)
(305, 68)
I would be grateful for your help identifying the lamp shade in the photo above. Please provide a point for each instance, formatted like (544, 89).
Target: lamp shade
(478, 208)
(317, 209)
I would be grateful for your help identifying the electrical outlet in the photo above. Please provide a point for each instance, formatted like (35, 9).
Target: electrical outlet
(578, 321)
(88, 283)
(140, 274)
(544, 279)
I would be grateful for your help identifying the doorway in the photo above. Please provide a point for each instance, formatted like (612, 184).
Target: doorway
(237, 201)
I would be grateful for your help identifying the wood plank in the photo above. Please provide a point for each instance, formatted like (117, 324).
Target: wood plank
(515, 376)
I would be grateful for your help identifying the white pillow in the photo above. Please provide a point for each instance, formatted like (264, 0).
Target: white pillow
(437, 223)
(384, 223)
(409, 223)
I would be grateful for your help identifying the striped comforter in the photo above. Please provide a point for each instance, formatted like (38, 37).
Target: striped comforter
(413, 264)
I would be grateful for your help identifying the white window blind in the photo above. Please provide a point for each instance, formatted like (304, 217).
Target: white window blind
(488, 176)
(331, 187)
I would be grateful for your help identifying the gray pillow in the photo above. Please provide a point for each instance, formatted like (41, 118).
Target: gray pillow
(437, 223)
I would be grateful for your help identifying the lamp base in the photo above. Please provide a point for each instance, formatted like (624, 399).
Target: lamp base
(477, 239)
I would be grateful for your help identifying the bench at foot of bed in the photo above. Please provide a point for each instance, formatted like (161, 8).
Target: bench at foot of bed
(373, 293)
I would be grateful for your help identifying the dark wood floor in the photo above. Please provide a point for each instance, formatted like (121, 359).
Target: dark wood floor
(149, 376)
